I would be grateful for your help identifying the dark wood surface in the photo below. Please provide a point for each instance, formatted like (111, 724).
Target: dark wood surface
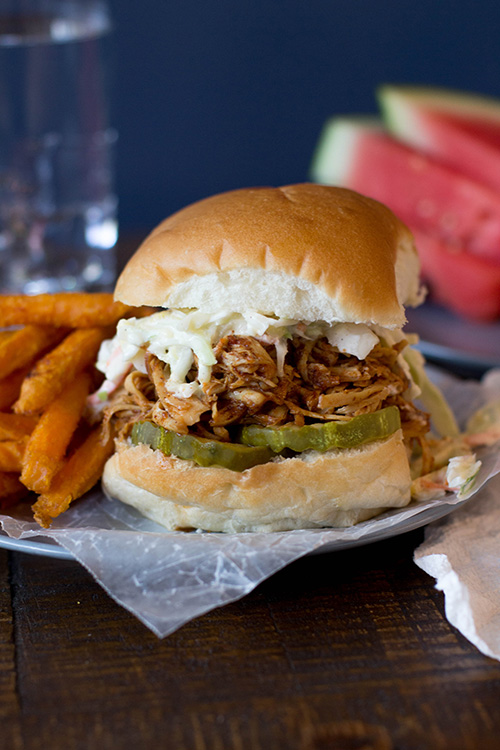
(346, 650)
(342, 651)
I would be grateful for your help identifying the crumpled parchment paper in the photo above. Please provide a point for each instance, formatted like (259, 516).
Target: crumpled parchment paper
(168, 578)
(463, 553)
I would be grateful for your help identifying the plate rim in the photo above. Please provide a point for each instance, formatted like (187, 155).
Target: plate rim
(35, 546)
(425, 317)
(47, 547)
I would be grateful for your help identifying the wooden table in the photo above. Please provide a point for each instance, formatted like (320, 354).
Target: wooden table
(342, 651)
(345, 650)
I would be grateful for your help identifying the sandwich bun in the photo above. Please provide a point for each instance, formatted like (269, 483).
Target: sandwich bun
(307, 252)
(311, 490)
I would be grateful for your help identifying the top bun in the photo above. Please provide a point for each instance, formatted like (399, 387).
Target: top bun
(308, 252)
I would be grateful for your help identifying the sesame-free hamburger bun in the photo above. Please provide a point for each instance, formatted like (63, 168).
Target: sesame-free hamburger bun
(303, 254)
(309, 252)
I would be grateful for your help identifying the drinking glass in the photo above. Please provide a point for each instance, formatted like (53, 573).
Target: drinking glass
(58, 209)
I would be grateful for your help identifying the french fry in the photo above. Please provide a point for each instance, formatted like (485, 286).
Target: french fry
(69, 309)
(46, 375)
(24, 345)
(58, 368)
(46, 369)
(11, 489)
(11, 455)
(10, 387)
(50, 438)
(77, 476)
(16, 426)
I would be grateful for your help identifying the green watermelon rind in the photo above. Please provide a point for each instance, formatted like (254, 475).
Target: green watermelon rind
(405, 111)
(395, 100)
(337, 140)
(451, 126)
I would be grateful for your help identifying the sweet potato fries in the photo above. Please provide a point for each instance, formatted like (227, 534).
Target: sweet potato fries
(48, 444)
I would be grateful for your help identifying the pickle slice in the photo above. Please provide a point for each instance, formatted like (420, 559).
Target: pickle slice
(323, 436)
(234, 456)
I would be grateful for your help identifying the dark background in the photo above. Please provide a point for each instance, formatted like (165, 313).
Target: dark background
(211, 95)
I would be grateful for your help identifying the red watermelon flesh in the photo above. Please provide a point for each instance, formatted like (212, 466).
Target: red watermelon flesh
(459, 129)
(466, 284)
(424, 193)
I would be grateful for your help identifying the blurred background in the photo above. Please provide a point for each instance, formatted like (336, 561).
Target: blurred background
(211, 96)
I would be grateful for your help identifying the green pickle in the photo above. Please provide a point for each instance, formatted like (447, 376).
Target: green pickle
(324, 436)
(203, 452)
(259, 444)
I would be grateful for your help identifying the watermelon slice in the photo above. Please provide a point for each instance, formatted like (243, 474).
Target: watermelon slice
(466, 284)
(357, 153)
(462, 130)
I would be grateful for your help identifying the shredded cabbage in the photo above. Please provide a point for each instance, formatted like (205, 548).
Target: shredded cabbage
(443, 419)
(177, 336)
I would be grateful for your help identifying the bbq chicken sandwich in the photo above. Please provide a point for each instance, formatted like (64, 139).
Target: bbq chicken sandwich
(274, 387)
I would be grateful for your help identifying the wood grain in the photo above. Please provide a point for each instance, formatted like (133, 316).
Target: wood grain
(346, 650)
(10, 734)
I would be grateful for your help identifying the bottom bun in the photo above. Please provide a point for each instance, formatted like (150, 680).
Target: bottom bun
(337, 488)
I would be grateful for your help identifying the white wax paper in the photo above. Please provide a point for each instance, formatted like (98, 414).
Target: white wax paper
(463, 553)
(168, 578)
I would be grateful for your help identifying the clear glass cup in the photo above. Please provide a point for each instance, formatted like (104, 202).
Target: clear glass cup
(58, 209)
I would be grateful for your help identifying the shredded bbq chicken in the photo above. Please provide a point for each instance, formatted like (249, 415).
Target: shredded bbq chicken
(316, 383)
